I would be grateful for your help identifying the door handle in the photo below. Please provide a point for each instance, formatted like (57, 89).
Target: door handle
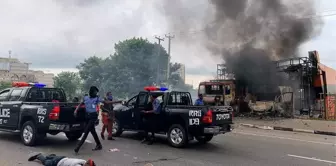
(15, 105)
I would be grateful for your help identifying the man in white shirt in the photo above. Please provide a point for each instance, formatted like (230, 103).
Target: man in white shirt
(53, 160)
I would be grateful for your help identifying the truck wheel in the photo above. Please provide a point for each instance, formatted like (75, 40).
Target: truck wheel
(204, 139)
(177, 136)
(73, 136)
(29, 133)
(117, 130)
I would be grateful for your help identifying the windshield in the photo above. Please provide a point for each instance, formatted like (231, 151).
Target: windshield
(214, 89)
(45, 95)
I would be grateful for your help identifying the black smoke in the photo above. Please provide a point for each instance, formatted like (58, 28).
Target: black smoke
(250, 34)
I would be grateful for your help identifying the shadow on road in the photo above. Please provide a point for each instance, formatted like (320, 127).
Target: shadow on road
(161, 140)
(56, 142)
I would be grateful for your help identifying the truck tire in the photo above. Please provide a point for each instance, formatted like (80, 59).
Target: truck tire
(204, 139)
(29, 134)
(73, 136)
(117, 130)
(177, 136)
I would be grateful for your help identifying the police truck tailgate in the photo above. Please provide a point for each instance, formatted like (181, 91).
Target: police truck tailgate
(221, 115)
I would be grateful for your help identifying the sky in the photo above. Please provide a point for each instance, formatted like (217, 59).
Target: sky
(56, 35)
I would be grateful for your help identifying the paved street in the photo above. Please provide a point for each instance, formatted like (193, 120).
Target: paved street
(245, 146)
(306, 124)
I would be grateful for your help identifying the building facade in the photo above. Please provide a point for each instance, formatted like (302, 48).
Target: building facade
(12, 69)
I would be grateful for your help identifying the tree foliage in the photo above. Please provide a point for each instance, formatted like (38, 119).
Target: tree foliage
(70, 82)
(134, 65)
(5, 84)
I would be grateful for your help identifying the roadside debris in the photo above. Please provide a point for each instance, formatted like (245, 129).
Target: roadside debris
(114, 150)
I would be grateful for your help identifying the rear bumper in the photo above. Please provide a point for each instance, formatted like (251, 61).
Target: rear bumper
(217, 129)
(64, 127)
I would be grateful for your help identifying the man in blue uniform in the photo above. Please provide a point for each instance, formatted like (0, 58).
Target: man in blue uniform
(151, 117)
(91, 103)
(199, 101)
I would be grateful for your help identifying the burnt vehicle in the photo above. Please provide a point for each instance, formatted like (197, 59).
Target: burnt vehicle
(218, 92)
(33, 111)
(179, 119)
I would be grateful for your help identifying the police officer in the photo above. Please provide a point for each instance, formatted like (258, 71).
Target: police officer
(151, 117)
(91, 103)
(199, 101)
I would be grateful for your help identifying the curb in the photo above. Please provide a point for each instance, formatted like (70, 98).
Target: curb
(289, 129)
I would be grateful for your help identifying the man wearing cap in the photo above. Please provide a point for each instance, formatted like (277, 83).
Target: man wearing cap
(53, 160)
(151, 119)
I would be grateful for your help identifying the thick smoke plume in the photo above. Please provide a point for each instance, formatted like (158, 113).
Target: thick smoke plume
(250, 34)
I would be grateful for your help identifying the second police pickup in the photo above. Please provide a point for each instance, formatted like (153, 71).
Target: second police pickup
(33, 111)
(179, 118)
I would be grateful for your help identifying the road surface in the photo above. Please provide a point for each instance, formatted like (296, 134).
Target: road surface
(243, 147)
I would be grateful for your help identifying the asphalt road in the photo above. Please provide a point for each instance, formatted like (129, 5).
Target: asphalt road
(243, 147)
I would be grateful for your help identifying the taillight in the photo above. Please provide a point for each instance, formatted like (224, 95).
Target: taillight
(207, 118)
(54, 113)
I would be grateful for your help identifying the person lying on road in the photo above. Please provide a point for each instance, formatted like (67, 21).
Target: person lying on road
(53, 160)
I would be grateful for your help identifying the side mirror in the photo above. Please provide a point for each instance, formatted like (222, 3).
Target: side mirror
(123, 102)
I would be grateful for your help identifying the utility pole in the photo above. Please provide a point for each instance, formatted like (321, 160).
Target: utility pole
(158, 59)
(159, 39)
(170, 37)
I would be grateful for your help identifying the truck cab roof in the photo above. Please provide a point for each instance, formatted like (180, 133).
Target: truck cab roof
(32, 94)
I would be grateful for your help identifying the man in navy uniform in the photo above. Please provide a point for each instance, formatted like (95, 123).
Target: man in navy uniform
(151, 117)
(91, 103)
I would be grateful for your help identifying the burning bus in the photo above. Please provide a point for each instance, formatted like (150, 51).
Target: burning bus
(217, 92)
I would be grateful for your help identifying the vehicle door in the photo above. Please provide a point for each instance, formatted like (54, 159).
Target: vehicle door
(5, 108)
(125, 114)
(141, 105)
(14, 102)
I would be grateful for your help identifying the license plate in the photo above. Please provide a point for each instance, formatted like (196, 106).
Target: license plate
(222, 116)
(211, 130)
(75, 125)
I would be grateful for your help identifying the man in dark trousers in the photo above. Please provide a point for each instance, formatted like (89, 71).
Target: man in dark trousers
(151, 118)
(91, 103)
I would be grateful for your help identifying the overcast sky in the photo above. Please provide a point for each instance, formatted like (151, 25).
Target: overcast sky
(55, 35)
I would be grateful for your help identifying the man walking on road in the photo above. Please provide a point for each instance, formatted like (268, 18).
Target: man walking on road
(53, 160)
(108, 116)
(91, 103)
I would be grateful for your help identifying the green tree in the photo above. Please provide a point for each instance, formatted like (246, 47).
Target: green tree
(91, 71)
(133, 66)
(70, 82)
(5, 84)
